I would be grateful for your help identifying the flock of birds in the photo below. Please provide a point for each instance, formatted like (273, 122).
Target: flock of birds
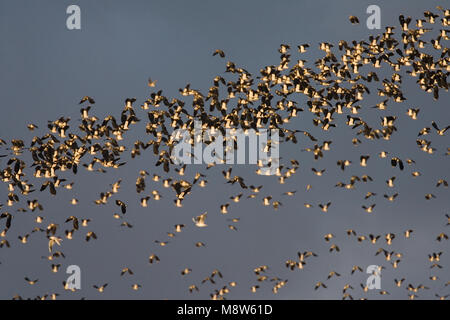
(334, 91)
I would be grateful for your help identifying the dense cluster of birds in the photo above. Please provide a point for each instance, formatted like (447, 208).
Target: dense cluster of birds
(334, 90)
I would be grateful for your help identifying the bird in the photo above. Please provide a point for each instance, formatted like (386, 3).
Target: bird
(353, 20)
(356, 268)
(122, 205)
(440, 132)
(412, 113)
(151, 83)
(442, 236)
(334, 247)
(126, 270)
(254, 288)
(219, 52)
(31, 282)
(369, 209)
(88, 99)
(442, 182)
(390, 182)
(363, 160)
(192, 288)
(333, 274)
(100, 289)
(324, 207)
(303, 48)
(90, 235)
(186, 271)
(318, 172)
(224, 208)
(52, 241)
(319, 284)
(179, 227)
(392, 197)
(32, 127)
(153, 259)
(408, 233)
(200, 220)
(136, 286)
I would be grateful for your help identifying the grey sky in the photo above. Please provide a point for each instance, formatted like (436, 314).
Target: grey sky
(45, 69)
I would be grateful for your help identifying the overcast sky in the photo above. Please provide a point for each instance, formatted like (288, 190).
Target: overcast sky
(45, 69)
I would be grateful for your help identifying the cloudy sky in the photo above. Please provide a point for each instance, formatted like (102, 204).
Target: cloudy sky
(46, 69)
